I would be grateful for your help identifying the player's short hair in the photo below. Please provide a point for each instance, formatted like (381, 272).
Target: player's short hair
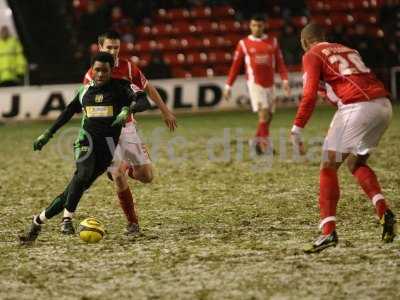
(313, 33)
(111, 35)
(103, 57)
(258, 18)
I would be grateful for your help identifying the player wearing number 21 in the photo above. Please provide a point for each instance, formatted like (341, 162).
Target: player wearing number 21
(363, 114)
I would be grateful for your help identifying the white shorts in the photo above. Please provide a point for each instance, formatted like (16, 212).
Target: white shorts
(261, 97)
(130, 148)
(358, 127)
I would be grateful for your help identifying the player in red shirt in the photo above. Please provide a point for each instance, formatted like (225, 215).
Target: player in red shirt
(262, 57)
(364, 113)
(130, 155)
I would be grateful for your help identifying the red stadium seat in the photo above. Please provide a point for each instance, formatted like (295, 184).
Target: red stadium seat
(202, 72)
(224, 43)
(245, 27)
(174, 59)
(221, 70)
(226, 26)
(219, 57)
(360, 4)
(163, 15)
(196, 58)
(335, 6)
(375, 32)
(231, 40)
(143, 31)
(316, 5)
(145, 46)
(201, 12)
(169, 44)
(368, 18)
(213, 42)
(322, 20)
(142, 60)
(343, 19)
(223, 11)
(180, 73)
(183, 28)
(189, 43)
(162, 30)
(178, 13)
(206, 26)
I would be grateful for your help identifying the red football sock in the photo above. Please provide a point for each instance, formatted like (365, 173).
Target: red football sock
(266, 129)
(262, 129)
(128, 205)
(328, 198)
(369, 183)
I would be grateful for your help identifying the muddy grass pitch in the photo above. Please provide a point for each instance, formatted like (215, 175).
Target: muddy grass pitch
(217, 222)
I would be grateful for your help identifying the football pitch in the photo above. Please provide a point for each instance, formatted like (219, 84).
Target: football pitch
(217, 222)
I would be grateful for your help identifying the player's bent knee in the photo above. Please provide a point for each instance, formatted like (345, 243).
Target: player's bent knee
(354, 162)
(148, 178)
(145, 175)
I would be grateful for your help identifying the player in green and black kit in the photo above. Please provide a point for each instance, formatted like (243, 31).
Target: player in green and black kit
(106, 104)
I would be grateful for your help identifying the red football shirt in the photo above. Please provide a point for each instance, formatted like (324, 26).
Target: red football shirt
(344, 73)
(262, 57)
(124, 69)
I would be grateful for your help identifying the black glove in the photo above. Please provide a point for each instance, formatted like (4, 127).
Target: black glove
(42, 140)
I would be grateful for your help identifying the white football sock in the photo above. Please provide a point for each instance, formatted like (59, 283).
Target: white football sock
(68, 214)
(42, 218)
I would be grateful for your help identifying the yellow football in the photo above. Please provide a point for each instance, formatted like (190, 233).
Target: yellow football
(91, 230)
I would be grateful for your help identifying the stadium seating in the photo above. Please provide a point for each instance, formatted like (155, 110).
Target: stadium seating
(202, 39)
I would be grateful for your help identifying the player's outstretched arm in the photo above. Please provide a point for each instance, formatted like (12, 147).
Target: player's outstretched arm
(168, 116)
(282, 69)
(140, 103)
(237, 63)
(41, 140)
(312, 74)
(63, 118)
(136, 102)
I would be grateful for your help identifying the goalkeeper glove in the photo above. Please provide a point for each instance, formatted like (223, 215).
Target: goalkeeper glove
(42, 140)
(122, 117)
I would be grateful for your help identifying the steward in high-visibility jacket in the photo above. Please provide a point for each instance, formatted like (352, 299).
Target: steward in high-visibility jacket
(12, 59)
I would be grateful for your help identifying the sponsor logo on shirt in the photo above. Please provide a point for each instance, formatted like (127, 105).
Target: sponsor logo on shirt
(262, 59)
(99, 111)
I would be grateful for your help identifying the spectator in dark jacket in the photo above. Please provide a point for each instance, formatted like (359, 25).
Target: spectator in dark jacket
(157, 68)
